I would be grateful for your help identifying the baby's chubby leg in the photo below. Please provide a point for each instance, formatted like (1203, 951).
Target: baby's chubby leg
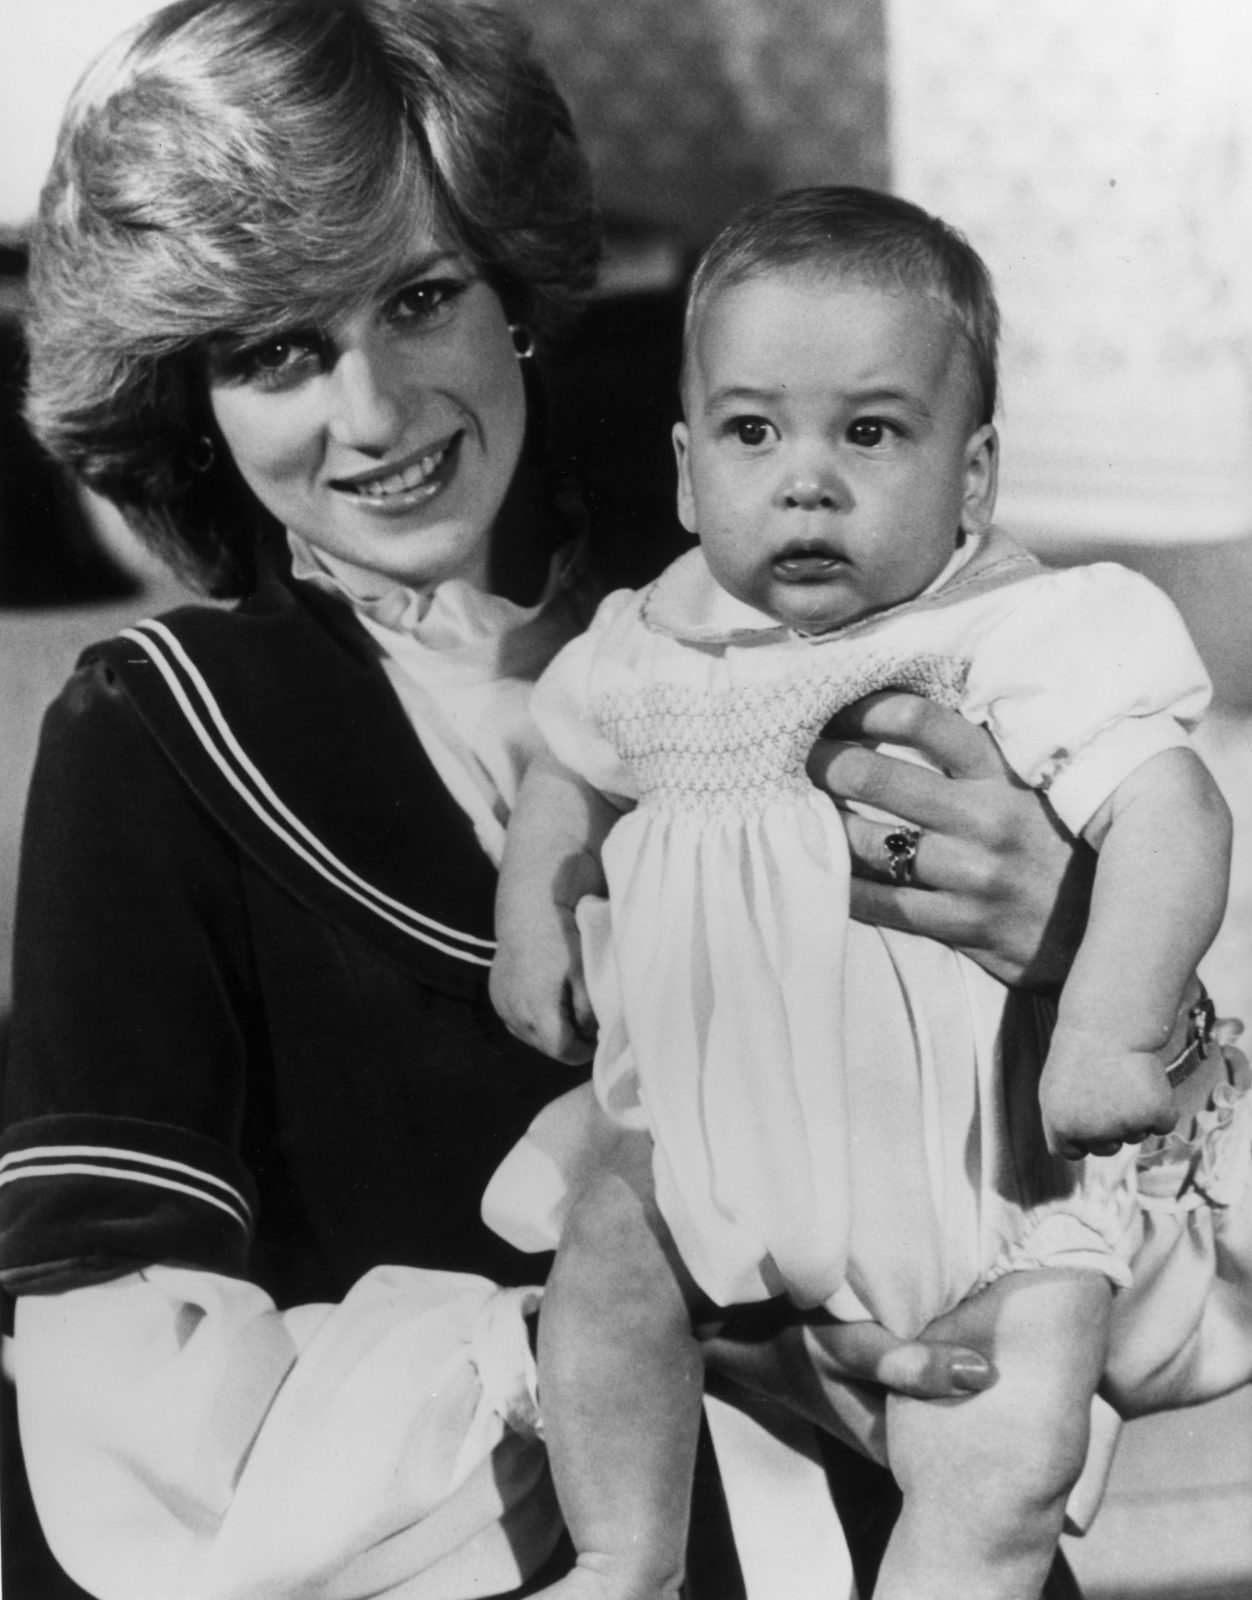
(985, 1479)
(620, 1387)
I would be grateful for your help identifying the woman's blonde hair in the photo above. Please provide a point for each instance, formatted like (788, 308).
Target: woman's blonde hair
(237, 167)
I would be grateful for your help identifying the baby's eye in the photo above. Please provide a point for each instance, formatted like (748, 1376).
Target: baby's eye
(426, 300)
(751, 431)
(870, 431)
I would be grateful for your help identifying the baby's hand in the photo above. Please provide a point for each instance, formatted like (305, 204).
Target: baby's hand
(537, 987)
(1095, 1097)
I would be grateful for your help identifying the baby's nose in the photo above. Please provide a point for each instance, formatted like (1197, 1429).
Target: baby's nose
(811, 491)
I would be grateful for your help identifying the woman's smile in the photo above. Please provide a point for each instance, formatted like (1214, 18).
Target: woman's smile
(413, 481)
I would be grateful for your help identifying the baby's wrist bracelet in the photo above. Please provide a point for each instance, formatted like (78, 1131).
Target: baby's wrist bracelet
(1200, 1020)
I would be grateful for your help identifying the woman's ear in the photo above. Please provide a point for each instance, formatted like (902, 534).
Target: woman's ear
(686, 499)
(982, 467)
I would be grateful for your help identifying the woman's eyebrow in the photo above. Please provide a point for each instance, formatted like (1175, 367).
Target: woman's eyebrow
(420, 267)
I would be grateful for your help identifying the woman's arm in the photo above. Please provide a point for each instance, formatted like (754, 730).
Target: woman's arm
(995, 876)
(551, 860)
(125, 1081)
(183, 1437)
(1160, 892)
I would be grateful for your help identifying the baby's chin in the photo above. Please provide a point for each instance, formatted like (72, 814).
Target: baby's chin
(815, 608)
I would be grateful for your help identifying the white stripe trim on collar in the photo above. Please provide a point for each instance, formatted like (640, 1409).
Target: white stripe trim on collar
(248, 782)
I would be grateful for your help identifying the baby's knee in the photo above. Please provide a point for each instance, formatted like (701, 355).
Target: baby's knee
(1036, 1455)
(608, 1221)
(615, 1243)
(1042, 1448)
(1003, 1463)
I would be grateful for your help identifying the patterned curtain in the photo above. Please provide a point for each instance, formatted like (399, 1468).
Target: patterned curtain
(1100, 157)
(690, 108)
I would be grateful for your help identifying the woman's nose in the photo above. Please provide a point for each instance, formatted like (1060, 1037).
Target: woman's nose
(367, 412)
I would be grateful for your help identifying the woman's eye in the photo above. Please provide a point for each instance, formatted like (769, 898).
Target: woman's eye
(869, 431)
(276, 363)
(423, 301)
(751, 431)
(279, 355)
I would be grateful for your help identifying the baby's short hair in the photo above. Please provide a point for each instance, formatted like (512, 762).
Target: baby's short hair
(867, 236)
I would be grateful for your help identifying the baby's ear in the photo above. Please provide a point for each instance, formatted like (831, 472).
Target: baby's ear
(982, 467)
(686, 499)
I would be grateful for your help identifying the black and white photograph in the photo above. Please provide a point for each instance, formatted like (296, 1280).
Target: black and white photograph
(601, 606)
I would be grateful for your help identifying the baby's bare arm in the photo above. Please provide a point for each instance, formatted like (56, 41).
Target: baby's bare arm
(551, 860)
(1159, 896)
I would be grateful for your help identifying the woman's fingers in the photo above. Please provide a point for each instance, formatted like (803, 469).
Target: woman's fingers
(850, 772)
(993, 874)
(944, 737)
(865, 1352)
(934, 914)
(935, 1371)
(939, 861)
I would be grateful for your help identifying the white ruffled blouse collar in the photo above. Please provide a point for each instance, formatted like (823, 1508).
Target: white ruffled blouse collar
(454, 619)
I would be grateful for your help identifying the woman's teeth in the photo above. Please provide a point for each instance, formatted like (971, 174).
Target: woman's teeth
(403, 482)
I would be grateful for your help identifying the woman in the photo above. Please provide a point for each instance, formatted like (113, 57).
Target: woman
(291, 266)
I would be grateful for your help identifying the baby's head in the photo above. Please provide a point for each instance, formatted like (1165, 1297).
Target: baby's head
(839, 384)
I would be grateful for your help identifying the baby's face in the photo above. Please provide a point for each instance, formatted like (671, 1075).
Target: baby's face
(829, 458)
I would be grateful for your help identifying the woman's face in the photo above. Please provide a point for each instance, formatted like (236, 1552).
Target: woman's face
(389, 437)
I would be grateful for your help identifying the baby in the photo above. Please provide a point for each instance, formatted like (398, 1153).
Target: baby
(790, 1104)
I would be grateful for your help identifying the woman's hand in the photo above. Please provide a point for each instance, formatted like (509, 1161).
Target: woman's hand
(995, 876)
(836, 1374)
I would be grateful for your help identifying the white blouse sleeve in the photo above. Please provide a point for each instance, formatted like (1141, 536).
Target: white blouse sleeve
(561, 706)
(185, 1438)
(1084, 681)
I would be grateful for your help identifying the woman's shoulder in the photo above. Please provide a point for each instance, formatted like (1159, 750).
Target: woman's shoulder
(283, 728)
(274, 670)
(177, 704)
(265, 642)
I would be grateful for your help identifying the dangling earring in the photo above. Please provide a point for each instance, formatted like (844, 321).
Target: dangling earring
(202, 454)
(523, 340)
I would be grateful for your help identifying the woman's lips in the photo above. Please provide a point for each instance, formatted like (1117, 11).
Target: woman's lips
(399, 488)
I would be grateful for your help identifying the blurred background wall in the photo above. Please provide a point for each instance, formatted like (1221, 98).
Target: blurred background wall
(1099, 157)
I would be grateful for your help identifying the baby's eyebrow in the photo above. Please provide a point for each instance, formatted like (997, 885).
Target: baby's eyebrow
(747, 394)
(887, 396)
(742, 394)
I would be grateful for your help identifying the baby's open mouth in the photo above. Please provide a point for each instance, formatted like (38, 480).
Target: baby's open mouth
(807, 564)
(420, 472)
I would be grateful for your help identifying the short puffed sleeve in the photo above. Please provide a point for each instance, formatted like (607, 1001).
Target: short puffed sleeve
(1083, 681)
(561, 703)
